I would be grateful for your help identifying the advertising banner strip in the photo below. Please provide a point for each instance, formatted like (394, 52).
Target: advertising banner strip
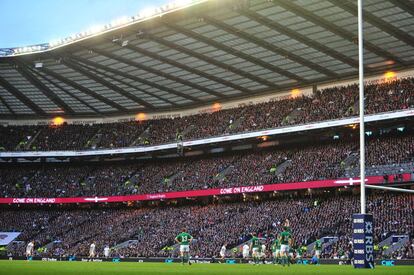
(206, 192)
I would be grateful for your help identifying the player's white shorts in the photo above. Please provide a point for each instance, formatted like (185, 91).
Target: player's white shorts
(284, 248)
(246, 255)
(106, 254)
(28, 253)
(317, 253)
(222, 254)
(184, 248)
(291, 254)
(92, 254)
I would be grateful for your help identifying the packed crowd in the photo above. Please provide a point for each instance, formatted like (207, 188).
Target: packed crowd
(211, 225)
(332, 103)
(275, 165)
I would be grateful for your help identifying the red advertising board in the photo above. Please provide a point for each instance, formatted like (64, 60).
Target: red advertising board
(206, 192)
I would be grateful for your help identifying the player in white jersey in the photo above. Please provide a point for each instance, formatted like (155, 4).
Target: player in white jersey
(106, 251)
(223, 251)
(92, 249)
(263, 252)
(246, 251)
(29, 249)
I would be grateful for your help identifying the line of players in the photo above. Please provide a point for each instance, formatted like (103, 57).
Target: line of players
(282, 250)
(92, 250)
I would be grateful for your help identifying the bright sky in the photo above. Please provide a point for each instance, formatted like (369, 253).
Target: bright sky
(28, 22)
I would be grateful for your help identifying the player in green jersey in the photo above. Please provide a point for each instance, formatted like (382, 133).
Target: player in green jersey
(276, 250)
(291, 255)
(318, 250)
(299, 255)
(255, 247)
(285, 242)
(184, 239)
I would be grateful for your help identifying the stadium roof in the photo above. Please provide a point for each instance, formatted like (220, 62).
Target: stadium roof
(213, 51)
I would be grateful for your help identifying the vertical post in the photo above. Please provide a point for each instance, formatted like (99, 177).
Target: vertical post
(361, 104)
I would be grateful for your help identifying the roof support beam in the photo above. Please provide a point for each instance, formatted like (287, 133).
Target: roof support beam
(22, 97)
(299, 37)
(133, 77)
(302, 12)
(269, 46)
(84, 90)
(93, 67)
(234, 52)
(169, 76)
(107, 84)
(7, 105)
(189, 69)
(376, 21)
(52, 82)
(142, 67)
(209, 60)
(23, 69)
(405, 5)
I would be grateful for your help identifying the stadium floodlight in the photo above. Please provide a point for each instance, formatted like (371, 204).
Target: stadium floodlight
(57, 121)
(95, 29)
(119, 22)
(148, 12)
(54, 43)
(182, 3)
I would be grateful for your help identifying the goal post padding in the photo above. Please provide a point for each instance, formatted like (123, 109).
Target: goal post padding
(363, 240)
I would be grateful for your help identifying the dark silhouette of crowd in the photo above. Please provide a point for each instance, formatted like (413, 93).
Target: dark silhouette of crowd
(326, 104)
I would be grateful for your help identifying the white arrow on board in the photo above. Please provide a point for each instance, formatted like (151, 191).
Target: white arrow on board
(96, 199)
(351, 181)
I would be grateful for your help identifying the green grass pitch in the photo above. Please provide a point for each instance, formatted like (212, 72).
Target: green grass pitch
(103, 268)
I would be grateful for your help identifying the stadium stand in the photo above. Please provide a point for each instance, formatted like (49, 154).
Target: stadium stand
(327, 104)
(304, 163)
(212, 225)
(166, 76)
